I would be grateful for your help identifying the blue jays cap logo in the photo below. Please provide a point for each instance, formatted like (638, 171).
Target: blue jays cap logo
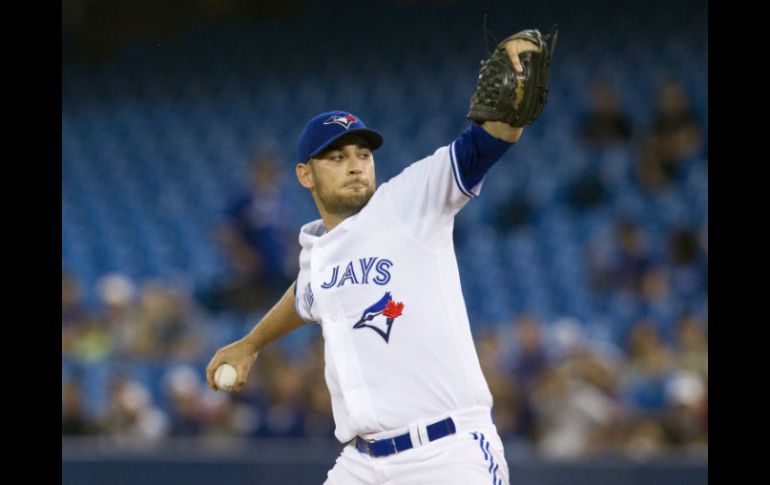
(344, 121)
(380, 316)
(321, 131)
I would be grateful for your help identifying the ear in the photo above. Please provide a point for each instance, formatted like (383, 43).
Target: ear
(305, 175)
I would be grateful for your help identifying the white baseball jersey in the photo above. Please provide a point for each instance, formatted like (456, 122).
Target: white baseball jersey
(385, 287)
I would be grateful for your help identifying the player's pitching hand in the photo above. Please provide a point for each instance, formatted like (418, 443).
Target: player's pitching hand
(239, 354)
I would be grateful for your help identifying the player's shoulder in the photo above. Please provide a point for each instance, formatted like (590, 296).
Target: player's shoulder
(438, 159)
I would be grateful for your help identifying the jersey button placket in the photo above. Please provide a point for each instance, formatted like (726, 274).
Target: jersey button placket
(354, 389)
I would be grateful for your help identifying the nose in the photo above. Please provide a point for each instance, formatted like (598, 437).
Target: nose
(355, 166)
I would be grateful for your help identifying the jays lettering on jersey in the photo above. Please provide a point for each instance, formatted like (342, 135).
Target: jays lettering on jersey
(385, 287)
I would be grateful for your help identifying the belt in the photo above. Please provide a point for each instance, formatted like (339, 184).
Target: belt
(388, 446)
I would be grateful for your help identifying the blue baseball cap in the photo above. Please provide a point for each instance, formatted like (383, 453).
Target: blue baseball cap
(324, 129)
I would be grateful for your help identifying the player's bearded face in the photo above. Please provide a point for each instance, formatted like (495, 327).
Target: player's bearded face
(344, 179)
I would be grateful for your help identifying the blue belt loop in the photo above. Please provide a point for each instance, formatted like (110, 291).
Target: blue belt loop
(403, 442)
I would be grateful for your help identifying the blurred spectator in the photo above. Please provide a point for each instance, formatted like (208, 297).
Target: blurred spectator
(74, 420)
(530, 359)
(220, 416)
(73, 312)
(319, 422)
(286, 414)
(92, 341)
(657, 298)
(250, 406)
(624, 265)
(645, 374)
(526, 365)
(571, 415)
(72, 308)
(692, 346)
(633, 258)
(565, 337)
(256, 242)
(502, 384)
(585, 419)
(688, 263)
(184, 388)
(600, 385)
(605, 122)
(676, 136)
(683, 245)
(164, 326)
(117, 295)
(132, 415)
(685, 421)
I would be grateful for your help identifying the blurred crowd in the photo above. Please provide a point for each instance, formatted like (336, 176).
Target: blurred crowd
(561, 389)
(558, 391)
(568, 396)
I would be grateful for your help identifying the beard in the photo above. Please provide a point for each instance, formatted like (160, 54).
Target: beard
(344, 204)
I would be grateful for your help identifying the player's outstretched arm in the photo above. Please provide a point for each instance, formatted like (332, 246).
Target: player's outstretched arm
(241, 354)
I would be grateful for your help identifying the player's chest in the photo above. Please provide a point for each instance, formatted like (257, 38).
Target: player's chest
(363, 288)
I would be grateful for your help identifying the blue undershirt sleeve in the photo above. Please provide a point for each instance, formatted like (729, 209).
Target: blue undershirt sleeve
(475, 151)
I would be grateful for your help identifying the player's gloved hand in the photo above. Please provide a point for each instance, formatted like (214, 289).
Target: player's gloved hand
(241, 354)
(512, 85)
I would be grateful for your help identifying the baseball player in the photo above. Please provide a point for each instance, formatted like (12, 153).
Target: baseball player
(378, 272)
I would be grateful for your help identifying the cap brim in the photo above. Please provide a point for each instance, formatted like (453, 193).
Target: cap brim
(372, 136)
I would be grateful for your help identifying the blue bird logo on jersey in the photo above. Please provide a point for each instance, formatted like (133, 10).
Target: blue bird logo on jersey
(344, 121)
(380, 316)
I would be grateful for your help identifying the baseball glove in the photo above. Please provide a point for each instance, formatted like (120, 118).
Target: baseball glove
(502, 94)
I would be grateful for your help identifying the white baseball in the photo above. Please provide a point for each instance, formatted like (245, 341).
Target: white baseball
(225, 377)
